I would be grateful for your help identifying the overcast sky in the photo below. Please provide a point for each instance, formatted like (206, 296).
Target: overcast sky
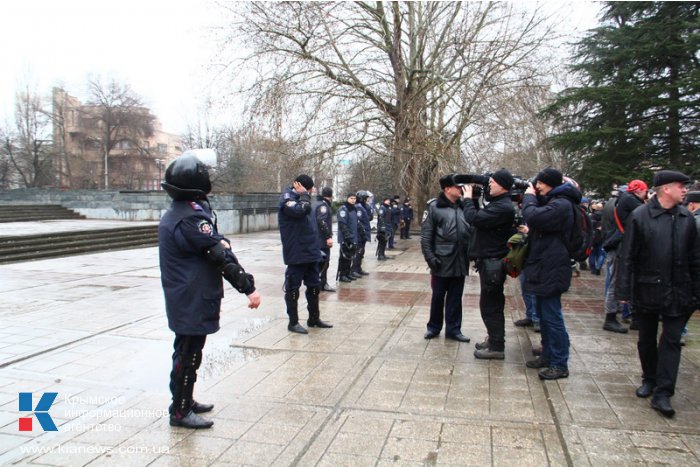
(161, 48)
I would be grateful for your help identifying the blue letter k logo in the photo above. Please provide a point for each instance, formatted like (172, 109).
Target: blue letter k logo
(41, 411)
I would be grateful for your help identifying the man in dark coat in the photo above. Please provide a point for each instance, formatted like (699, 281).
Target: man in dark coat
(350, 234)
(444, 242)
(659, 271)
(193, 259)
(493, 226)
(364, 217)
(549, 217)
(635, 195)
(406, 218)
(300, 251)
(383, 229)
(323, 212)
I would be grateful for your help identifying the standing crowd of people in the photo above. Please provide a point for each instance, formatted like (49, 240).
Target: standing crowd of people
(648, 245)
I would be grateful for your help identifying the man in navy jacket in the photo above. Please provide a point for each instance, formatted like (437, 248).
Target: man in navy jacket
(548, 266)
(299, 233)
(193, 259)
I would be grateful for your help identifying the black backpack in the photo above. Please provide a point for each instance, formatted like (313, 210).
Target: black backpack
(579, 240)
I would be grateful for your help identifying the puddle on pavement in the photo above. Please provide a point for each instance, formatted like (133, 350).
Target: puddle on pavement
(219, 360)
(220, 357)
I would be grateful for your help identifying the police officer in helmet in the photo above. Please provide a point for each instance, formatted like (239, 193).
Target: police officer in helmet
(194, 258)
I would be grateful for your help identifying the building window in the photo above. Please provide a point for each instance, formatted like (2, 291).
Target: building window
(162, 148)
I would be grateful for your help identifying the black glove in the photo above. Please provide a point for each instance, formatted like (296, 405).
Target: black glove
(434, 264)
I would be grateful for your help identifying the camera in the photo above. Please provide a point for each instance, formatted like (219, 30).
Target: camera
(516, 191)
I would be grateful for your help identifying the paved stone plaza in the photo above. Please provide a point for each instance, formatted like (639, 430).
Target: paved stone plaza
(370, 391)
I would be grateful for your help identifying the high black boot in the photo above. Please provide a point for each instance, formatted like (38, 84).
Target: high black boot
(291, 297)
(314, 310)
(182, 379)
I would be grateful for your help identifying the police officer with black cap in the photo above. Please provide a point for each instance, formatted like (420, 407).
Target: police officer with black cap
(193, 259)
(323, 211)
(384, 229)
(350, 234)
(301, 253)
(364, 217)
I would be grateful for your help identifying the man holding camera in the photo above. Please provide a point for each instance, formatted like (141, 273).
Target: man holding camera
(548, 211)
(493, 227)
(445, 242)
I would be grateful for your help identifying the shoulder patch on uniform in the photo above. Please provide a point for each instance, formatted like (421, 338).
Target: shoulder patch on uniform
(342, 213)
(359, 213)
(291, 203)
(287, 195)
(205, 227)
(195, 206)
(323, 209)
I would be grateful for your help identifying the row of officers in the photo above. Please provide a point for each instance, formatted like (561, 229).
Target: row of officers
(354, 218)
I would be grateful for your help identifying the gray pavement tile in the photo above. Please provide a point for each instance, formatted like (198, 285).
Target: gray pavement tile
(370, 391)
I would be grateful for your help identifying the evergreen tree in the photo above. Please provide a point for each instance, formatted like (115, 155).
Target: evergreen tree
(637, 108)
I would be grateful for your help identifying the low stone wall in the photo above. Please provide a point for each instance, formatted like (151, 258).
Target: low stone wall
(236, 213)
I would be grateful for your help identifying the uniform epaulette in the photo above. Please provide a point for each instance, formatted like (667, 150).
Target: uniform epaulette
(195, 206)
(431, 201)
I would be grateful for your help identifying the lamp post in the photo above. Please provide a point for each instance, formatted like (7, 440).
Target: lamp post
(159, 163)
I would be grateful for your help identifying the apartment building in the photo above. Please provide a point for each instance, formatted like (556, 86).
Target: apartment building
(115, 147)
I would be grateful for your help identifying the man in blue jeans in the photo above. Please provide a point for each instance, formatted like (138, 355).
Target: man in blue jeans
(548, 211)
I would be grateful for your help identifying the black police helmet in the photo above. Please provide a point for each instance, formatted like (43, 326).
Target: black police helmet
(187, 178)
(362, 196)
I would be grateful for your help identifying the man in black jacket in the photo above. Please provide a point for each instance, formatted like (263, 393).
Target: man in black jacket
(445, 242)
(493, 226)
(659, 271)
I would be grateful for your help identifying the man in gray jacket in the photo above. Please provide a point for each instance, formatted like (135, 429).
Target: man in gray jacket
(445, 242)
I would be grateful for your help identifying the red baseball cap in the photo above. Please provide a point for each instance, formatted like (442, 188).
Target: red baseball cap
(637, 185)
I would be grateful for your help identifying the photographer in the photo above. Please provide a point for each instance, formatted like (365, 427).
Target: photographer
(493, 227)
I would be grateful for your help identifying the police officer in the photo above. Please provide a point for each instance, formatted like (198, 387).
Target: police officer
(364, 217)
(383, 229)
(193, 259)
(321, 207)
(348, 237)
(395, 220)
(406, 218)
(300, 251)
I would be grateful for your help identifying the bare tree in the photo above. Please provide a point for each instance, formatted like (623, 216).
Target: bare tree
(120, 118)
(405, 80)
(27, 148)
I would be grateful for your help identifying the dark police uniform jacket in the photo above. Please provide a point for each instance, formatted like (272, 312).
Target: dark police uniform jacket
(364, 218)
(193, 287)
(298, 228)
(324, 220)
(347, 224)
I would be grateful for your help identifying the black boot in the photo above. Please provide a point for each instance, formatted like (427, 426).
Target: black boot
(314, 310)
(291, 298)
(611, 324)
(182, 380)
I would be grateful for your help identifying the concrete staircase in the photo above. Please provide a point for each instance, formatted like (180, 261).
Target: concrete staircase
(29, 247)
(36, 212)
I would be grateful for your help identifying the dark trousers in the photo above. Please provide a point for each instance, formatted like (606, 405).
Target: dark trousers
(323, 267)
(446, 302)
(187, 357)
(660, 362)
(492, 303)
(390, 232)
(406, 228)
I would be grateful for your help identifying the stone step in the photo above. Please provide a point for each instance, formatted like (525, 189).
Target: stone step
(23, 248)
(36, 212)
